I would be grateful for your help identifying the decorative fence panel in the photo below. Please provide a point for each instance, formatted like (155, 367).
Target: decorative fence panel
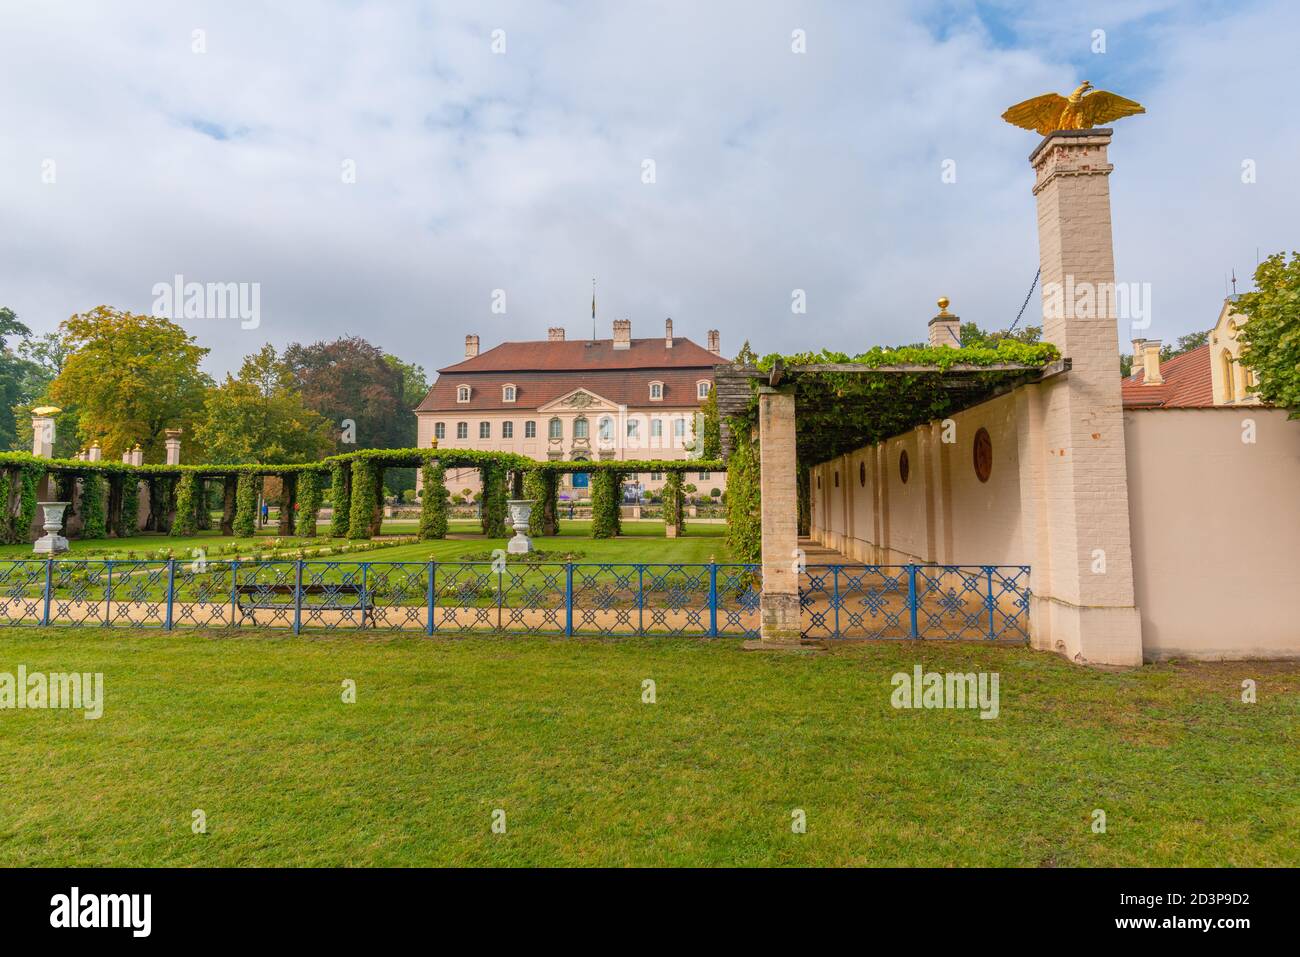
(575, 599)
(989, 602)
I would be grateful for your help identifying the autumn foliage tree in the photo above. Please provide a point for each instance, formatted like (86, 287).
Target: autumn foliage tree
(351, 379)
(130, 377)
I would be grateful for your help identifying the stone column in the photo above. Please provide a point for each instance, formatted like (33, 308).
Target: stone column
(1082, 565)
(173, 444)
(43, 431)
(137, 455)
(96, 453)
(779, 605)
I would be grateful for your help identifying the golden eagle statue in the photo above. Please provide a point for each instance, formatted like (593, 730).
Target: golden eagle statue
(1081, 110)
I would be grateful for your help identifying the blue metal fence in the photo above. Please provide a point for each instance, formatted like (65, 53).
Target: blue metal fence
(699, 600)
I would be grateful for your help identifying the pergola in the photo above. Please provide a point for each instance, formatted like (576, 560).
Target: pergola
(804, 413)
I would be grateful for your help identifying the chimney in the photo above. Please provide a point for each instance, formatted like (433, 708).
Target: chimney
(945, 328)
(555, 334)
(173, 444)
(668, 333)
(715, 342)
(622, 333)
(1137, 356)
(471, 346)
(1151, 362)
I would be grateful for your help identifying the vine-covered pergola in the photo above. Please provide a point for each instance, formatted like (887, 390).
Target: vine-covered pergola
(782, 414)
(354, 482)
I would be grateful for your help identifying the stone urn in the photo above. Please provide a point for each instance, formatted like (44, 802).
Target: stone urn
(52, 543)
(521, 509)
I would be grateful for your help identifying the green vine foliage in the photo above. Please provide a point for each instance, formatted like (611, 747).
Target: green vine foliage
(433, 501)
(246, 505)
(493, 516)
(542, 488)
(674, 514)
(31, 480)
(744, 501)
(129, 525)
(606, 495)
(340, 499)
(186, 507)
(309, 498)
(803, 499)
(712, 438)
(8, 520)
(94, 509)
(364, 496)
(842, 411)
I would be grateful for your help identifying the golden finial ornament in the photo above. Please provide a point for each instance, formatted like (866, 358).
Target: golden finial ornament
(434, 443)
(1083, 109)
(46, 410)
(943, 306)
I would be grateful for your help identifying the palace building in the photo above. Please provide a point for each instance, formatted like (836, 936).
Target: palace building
(576, 400)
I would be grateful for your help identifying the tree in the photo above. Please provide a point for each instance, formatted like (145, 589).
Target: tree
(353, 380)
(130, 377)
(973, 335)
(42, 359)
(260, 416)
(12, 373)
(1271, 334)
(414, 387)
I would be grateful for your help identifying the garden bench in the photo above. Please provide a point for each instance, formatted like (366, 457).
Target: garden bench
(249, 595)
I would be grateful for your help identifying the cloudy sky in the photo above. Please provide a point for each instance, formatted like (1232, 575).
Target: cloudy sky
(224, 156)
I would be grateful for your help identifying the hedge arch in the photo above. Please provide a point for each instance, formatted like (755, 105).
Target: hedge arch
(674, 513)
(245, 522)
(606, 497)
(309, 498)
(542, 488)
(187, 506)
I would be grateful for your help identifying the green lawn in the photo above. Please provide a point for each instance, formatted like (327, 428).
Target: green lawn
(250, 728)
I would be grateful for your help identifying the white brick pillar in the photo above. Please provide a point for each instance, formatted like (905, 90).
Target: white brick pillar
(779, 605)
(173, 444)
(1074, 477)
(96, 453)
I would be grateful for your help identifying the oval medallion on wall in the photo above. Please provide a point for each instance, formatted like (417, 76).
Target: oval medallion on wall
(982, 455)
(904, 467)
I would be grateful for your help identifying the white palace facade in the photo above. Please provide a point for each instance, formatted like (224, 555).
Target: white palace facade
(566, 399)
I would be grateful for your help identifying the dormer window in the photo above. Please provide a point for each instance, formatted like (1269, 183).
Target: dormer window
(462, 393)
(656, 391)
(702, 388)
(507, 393)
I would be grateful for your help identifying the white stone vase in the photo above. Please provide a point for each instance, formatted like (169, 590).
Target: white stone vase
(52, 542)
(521, 510)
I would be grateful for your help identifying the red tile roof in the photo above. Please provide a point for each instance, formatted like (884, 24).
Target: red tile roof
(535, 389)
(580, 355)
(1187, 384)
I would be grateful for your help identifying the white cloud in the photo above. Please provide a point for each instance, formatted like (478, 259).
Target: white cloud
(477, 171)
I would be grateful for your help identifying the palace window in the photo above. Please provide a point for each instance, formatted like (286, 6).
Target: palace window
(507, 430)
(704, 476)
(507, 393)
(656, 476)
(679, 428)
(656, 428)
(485, 430)
(580, 429)
(555, 429)
(462, 393)
(462, 430)
(607, 429)
(633, 429)
(702, 388)
(656, 391)
(440, 430)
(530, 430)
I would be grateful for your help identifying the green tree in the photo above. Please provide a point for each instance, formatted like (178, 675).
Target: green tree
(260, 416)
(13, 371)
(352, 380)
(1271, 334)
(973, 335)
(42, 359)
(130, 377)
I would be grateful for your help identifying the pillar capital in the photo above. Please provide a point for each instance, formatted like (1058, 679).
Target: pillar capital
(1070, 153)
